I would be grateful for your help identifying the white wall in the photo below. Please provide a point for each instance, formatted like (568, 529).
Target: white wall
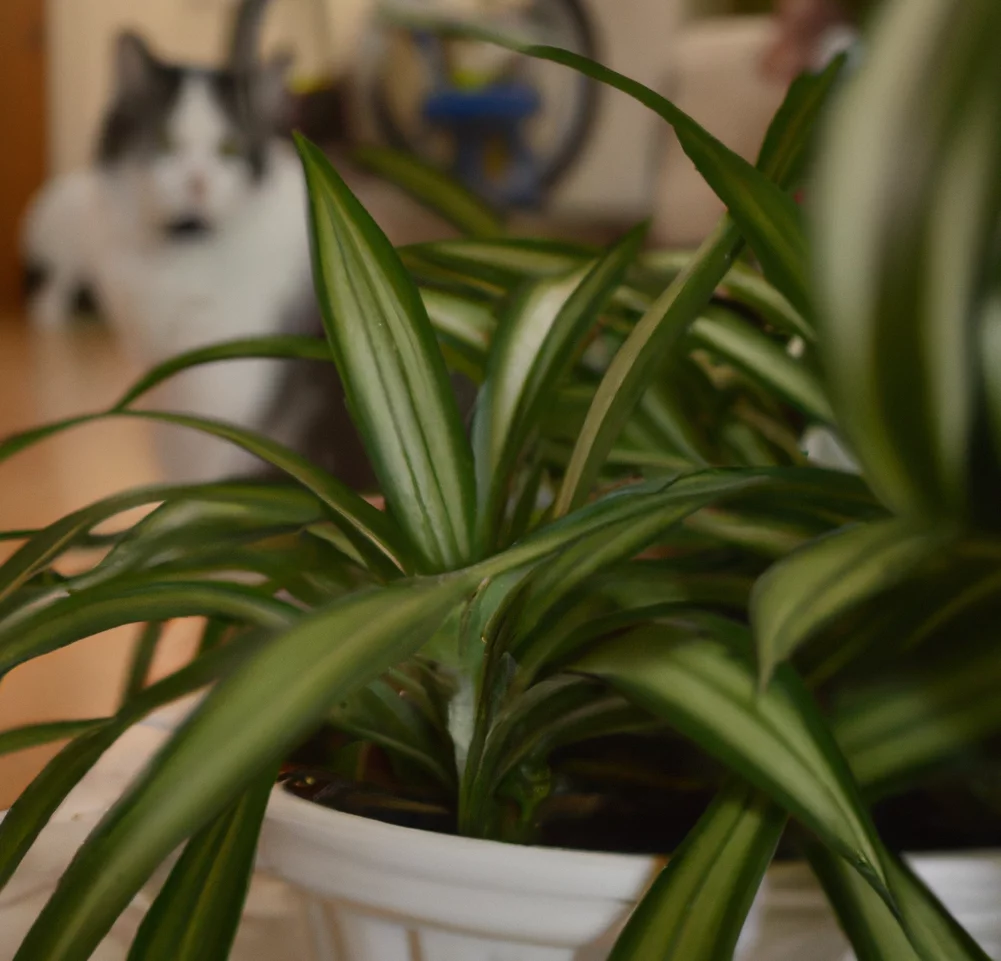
(615, 178)
(718, 80)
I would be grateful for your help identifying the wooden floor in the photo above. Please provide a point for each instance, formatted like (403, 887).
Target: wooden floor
(45, 376)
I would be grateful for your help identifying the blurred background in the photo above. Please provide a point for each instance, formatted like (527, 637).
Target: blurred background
(566, 158)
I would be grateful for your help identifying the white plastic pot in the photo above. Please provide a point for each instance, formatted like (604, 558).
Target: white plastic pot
(350, 889)
(377, 892)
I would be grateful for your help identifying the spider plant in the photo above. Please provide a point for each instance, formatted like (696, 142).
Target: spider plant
(626, 541)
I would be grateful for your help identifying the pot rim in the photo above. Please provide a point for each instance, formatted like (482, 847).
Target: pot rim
(450, 858)
(524, 868)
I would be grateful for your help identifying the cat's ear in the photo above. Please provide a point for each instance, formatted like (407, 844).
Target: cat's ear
(135, 65)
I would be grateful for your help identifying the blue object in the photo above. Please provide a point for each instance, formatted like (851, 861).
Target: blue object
(477, 117)
(496, 104)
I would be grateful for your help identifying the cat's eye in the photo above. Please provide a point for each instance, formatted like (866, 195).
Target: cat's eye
(230, 147)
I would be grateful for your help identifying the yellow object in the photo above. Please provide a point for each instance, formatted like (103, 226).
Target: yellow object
(307, 83)
(470, 79)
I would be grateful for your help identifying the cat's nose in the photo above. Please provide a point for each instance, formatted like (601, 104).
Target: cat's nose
(198, 187)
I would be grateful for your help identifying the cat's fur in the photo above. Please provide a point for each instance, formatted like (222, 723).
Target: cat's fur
(193, 229)
(57, 254)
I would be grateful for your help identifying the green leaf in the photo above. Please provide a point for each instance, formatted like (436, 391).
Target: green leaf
(767, 216)
(392, 370)
(187, 526)
(908, 201)
(37, 804)
(989, 350)
(635, 364)
(286, 347)
(754, 201)
(575, 320)
(741, 285)
(276, 566)
(493, 268)
(933, 932)
(35, 735)
(748, 287)
(428, 687)
(896, 728)
(196, 915)
(503, 262)
(270, 500)
(40, 800)
(555, 712)
(664, 408)
(763, 359)
(633, 503)
(536, 344)
(526, 505)
(379, 714)
(639, 596)
(642, 583)
(142, 659)
(497, 434)
(958, 593)
(213, 633)
(522, 736)
(777, 740)
(18, 535)
(832, 495)
(515, 260)
(875, 934)
(923, 929)
(15, 443)
(239, 730)
(46, 545)
(34, 631)
(464, 321)
(375, 538)
(373, 525)
(471, 285)
(696, 908)
(564, 574)
(436, 190)
(770, 537)
(828, 577)
(788, 143)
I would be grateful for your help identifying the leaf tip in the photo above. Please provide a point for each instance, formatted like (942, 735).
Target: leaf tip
(874, 875)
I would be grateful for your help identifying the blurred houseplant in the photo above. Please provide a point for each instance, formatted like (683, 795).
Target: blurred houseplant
(526, 591)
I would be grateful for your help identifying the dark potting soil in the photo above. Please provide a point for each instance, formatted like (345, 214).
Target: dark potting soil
(642, 796)
(946, 817)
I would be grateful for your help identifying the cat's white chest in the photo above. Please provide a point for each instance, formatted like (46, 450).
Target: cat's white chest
(242, 280)
(239, 281)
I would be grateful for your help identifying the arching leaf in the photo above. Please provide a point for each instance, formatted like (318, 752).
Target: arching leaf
(393, 373)
(696, 909)
(436, 190)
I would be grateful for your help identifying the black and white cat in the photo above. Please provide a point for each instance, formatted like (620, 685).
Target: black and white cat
(191, 229)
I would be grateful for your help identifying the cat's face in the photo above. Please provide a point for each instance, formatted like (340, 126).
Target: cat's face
(192, 143)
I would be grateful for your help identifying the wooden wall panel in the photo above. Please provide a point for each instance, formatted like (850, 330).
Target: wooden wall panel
(23, 124)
